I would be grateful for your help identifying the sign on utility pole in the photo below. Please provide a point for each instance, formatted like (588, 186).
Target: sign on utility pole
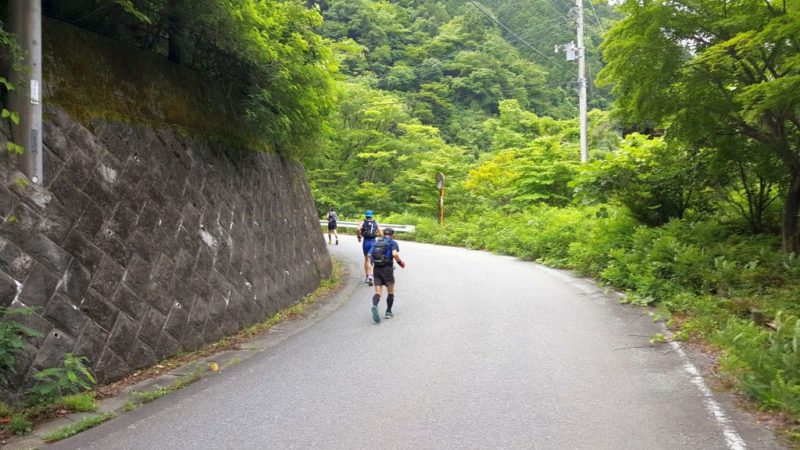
(582, 84)
(25, 21)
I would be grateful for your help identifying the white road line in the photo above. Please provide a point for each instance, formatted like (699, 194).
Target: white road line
(732, 438)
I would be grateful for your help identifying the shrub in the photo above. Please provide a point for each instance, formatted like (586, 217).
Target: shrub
(83, 402)
(12, 339)
(53, 383)
(19, 424)
(5, 410)
(766, 363)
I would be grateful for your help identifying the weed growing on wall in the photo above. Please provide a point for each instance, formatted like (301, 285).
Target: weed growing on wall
(12, 339)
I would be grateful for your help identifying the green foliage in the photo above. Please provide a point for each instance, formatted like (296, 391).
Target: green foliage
(13, 54)
(54, 383)
(454, 65)
(75, 428)
(277, 69)
(5, 410)
(717, 75)
(655, 181)
(380, 157)
(130, 8)
(148, 396)
(12, 338)
(20, 424)
(13, 116)
(83, 402)
(767, 363)
(15, 148)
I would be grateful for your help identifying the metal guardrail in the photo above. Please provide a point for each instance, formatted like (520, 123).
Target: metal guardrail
(395, 227)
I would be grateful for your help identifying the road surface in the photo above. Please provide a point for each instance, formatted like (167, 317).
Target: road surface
(483, 352)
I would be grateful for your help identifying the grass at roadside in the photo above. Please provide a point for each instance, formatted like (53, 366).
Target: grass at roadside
(77, 427)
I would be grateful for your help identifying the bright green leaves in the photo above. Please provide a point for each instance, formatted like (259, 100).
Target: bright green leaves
(15, 148)
(130, 8)
(7, 84)
(267, 55)
(13, 116)
(655, 181)
(720, 75)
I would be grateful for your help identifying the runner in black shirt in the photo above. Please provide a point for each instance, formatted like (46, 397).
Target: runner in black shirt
(383, 255)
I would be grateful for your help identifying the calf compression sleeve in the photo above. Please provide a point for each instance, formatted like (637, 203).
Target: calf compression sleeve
(389, 302)
(375, 299)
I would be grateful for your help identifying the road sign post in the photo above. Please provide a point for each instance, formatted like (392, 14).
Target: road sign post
(440, 185)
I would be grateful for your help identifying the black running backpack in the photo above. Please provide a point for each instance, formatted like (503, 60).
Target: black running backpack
(369, 229)
(382, 252)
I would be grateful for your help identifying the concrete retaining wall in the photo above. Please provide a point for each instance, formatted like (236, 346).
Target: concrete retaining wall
(145, 242)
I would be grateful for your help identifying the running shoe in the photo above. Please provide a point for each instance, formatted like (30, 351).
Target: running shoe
(370, 281)
(375, 316)
(389, 314)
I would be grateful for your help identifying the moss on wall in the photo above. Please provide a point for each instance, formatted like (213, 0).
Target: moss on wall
(91, 76)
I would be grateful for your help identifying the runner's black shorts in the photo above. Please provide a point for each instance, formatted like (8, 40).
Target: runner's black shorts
(331, 225)
(383, 275)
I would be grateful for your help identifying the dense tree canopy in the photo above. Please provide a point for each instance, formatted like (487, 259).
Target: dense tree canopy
(454, 64)
(723, 75)
(281, 68)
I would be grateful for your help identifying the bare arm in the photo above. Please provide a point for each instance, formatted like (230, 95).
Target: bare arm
(396, 257)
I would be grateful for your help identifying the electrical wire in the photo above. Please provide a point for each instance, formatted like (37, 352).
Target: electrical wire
(566, 5)
(477, 5)
(553, 33)
(597, 17)
(539, 34)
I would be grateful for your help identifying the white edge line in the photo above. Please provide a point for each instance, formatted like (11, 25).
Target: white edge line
(732, 438)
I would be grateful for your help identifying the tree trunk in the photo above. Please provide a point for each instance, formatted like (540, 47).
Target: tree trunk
(791, 209)
(174, 31)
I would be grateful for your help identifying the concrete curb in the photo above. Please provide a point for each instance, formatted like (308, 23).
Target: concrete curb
(131, 397)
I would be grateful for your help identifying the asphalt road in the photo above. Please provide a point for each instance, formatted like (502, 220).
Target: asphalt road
(484, 351)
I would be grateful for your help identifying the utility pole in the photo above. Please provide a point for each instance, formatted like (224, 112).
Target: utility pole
(26, 23)
(582, 84)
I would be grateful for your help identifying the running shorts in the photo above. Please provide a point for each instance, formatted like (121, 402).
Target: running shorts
(383, 275)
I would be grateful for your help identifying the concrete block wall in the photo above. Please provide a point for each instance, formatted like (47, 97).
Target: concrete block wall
(146, 242)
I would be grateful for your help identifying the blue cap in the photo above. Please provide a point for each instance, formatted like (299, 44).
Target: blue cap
(368, 213)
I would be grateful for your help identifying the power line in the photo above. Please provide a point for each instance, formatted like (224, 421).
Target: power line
(554, 28)
(597, 17)
(551, 34)
(477, 5)
(565, 4)
(553, 20)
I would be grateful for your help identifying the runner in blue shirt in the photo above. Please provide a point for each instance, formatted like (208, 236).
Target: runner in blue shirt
(368, 230)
